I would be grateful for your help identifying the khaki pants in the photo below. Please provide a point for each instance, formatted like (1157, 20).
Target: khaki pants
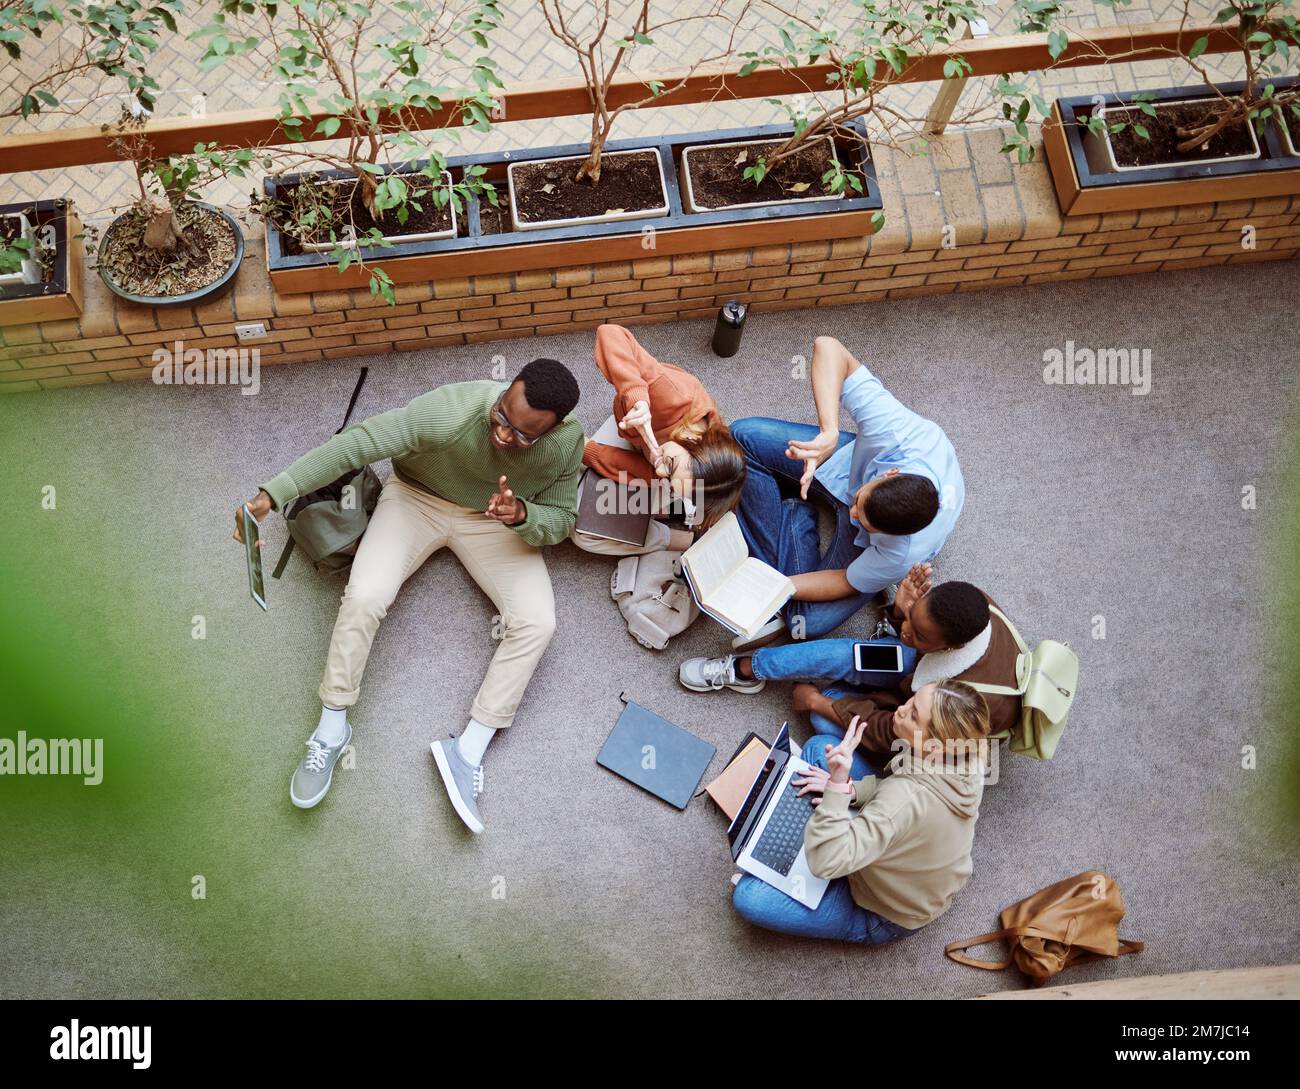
(408, 526)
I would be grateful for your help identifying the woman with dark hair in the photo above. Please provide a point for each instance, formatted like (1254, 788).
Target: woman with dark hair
(665, 434)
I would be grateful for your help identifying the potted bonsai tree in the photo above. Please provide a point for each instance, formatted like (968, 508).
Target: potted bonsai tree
(169, 248)
(600, 186)
(345, 73)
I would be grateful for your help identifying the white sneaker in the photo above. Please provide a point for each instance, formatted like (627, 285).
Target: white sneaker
(714, 674)
(768, 633)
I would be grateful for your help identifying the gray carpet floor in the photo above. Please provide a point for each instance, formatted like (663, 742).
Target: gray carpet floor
(1082, 502)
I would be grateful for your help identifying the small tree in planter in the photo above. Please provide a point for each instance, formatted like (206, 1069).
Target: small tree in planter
(881, 41)
(343, 73)
(1266, 34)
(169, 244)
(114, 38)
(601, 40)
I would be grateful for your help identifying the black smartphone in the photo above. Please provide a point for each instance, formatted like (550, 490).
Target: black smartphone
(878, 657)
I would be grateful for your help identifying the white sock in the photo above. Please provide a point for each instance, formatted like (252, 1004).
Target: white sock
(333, 725)
(473, 742)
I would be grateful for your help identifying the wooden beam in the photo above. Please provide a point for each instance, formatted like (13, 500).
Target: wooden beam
(80, 146)
(1280, 981)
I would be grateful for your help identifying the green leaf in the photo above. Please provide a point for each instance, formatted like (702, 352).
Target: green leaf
(1198, 47)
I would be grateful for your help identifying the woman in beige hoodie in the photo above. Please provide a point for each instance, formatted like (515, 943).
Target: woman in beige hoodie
(897, 862)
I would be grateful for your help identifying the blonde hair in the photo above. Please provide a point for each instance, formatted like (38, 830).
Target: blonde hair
(958, 712)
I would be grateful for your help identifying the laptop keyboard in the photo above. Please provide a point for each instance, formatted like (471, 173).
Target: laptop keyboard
(782, 837)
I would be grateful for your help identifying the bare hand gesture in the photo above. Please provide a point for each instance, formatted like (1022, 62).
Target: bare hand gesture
(505, 506)
(839, 758)
(913, 587)
(812, 453)
(637, 423)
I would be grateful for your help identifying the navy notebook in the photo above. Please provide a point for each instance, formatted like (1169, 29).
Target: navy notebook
(655, 755)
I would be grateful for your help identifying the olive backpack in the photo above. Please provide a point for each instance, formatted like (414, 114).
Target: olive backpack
(327, 523)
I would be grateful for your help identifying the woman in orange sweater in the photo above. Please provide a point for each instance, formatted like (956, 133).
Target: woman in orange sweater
(671, 431)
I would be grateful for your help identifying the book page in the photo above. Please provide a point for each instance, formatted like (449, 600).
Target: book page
(715, 556)
(750, 594)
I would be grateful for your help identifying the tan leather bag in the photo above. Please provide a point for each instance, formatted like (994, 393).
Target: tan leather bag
(1074, 920)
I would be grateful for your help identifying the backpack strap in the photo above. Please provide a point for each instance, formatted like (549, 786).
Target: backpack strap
(356, 392)
(283, 561)
(1002, 689)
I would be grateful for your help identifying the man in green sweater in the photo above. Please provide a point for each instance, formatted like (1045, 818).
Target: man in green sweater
(485, 469)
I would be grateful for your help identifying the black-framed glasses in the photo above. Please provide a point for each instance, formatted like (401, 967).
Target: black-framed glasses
(500, 419)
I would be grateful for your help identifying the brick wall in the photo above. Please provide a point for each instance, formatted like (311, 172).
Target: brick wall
(1004, 221)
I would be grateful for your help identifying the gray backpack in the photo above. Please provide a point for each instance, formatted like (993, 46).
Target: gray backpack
(327, 524)
(653, 598)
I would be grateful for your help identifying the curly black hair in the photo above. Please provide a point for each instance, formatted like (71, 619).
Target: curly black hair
(549, 386)
(959, 610)
(902, 504)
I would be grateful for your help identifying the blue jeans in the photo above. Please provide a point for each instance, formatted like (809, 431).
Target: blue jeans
(782, 531)
(838, 916)
(829, 659)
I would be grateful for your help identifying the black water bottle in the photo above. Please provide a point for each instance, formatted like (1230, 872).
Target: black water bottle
(727, 331)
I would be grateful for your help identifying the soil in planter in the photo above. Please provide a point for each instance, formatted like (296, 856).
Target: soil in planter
(200, 259)
(1293, 127)
(717, 175)
(1162, 147)
(629, 183)
(343, 199)
(495, 218)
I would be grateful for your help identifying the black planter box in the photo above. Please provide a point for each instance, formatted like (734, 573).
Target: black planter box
(1273, 152)
(854, 154)
(43, 213)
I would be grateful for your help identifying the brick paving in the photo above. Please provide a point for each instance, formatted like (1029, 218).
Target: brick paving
(524, 51)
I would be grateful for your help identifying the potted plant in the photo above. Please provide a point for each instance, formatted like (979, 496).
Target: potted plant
(170, 248)
(1210, 140)
(20, 257)
(41, 269)
(383, 185)
(878, 43)
(599, 185)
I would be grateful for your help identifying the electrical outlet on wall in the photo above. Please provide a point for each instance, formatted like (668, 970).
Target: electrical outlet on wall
(252, 330)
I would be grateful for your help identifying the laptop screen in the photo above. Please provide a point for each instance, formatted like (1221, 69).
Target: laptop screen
(780, 745)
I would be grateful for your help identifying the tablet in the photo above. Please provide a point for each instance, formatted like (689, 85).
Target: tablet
(253, 557)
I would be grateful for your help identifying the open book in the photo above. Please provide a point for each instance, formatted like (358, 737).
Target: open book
(738, 591)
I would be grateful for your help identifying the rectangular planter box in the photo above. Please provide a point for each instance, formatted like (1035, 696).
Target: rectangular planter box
(450, 232)
(61, 296)
(580, 221)
(1087, 184)
(679, 232)
(30, 272)
(688, 195)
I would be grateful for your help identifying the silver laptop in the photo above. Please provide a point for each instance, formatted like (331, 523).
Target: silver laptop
(767, 835)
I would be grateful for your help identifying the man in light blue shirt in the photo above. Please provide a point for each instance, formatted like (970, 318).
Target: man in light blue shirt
(895, 487)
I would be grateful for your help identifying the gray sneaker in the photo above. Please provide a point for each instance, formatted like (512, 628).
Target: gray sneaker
(463, 780)
(312, 779)
(714, 674)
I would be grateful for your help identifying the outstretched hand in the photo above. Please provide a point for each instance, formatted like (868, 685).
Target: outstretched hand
(914, 586)
(506, 507)
(839, 758)
(812, 452)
